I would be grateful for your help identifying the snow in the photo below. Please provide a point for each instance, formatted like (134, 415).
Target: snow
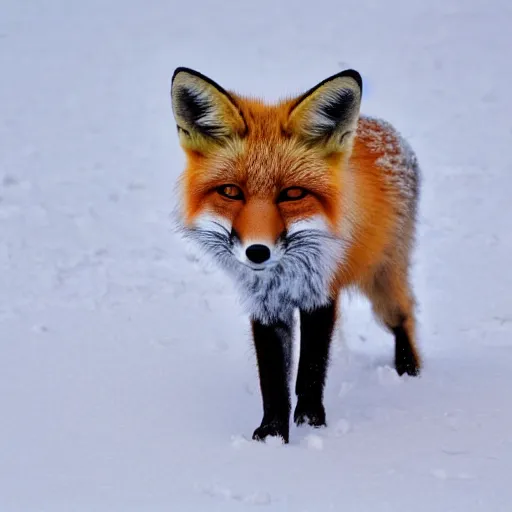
(127, 376)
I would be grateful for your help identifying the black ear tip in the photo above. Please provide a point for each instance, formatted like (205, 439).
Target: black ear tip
(182, 69)
(352, 73)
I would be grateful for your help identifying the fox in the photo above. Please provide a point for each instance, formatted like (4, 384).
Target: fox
(299, 201)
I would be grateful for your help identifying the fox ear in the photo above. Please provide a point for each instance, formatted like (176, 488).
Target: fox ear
(204, 112)
(328, 112)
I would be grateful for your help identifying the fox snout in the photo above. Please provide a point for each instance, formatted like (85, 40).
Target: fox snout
(258, 229)
(257, 253)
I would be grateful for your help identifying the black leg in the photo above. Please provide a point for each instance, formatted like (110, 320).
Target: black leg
(273, 345)
(316, 330)
(406, 360)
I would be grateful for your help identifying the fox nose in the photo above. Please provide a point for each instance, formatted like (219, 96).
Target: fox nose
(258, 253)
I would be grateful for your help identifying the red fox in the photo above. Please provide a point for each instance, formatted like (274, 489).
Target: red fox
(297, 201)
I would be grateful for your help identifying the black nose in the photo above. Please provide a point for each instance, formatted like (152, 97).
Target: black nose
(258, 253)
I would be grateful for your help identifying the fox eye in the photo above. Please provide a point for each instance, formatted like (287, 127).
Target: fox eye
(231, 192)
(292, 194)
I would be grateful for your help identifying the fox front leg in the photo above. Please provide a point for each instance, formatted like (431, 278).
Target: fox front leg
(316, 328)
(273, 344)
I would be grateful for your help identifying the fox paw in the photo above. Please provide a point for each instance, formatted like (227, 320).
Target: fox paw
(406, 362)
(406, 358)
(310, 413)
(273, 428)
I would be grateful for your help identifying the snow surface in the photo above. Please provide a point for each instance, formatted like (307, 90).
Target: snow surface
(127, 377)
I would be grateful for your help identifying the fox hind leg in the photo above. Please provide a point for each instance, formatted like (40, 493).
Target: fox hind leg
(394, 304)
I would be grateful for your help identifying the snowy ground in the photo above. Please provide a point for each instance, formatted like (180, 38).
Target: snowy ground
(127, 377)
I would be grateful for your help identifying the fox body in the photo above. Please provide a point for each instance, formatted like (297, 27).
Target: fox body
(297, 201)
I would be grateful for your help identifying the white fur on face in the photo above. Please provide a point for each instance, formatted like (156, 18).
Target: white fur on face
(316, 223)
(298, 277)
(213, 223)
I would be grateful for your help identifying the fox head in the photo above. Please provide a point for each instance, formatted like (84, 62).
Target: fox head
(266, 186)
